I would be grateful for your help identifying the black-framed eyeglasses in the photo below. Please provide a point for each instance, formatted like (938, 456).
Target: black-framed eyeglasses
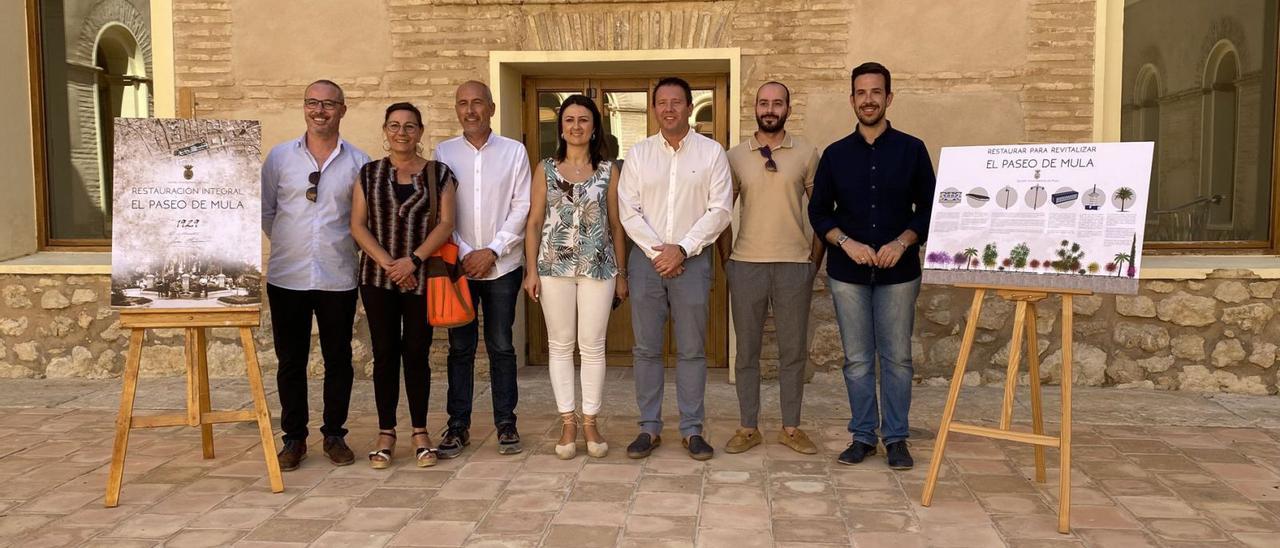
(769, 164)
(314, 190)
(326, 104)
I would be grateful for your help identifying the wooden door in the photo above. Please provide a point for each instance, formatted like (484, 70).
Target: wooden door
(625, 104)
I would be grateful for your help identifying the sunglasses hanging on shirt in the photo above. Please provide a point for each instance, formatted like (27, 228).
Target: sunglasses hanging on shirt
(769, 164)
(314, 190)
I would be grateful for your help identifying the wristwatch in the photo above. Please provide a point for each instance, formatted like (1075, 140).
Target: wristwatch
(841, 240)
(683, 253)
(417, 261)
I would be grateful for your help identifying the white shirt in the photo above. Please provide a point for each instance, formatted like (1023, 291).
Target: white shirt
(675, 196)
(493, 197)
(311, 243)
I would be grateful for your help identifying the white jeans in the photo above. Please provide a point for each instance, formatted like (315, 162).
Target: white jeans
(577, 311)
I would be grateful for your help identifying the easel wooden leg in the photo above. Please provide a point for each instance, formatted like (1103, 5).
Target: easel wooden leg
(1064, 437)
(124, 419)
(953, 394)
(202, 367)
(1033, 370)
(260, 408)
(1015, 357)
(193, 377)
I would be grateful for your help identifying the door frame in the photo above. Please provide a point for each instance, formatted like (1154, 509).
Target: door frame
(595, 87)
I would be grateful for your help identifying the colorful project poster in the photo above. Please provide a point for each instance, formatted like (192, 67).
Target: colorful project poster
(1061, 216)
(187, 225)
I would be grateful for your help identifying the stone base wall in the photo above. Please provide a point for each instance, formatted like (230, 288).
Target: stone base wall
(64, 326)
(1212, 335)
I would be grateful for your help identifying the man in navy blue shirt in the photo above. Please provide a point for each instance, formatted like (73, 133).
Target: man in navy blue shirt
(871, 200)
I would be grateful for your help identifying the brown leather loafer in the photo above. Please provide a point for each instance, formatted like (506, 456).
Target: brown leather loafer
(799, 442)
(336, 449)
(293, 453)
(743, 440)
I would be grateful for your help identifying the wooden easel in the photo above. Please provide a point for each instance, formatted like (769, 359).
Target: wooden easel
(199, 412)
(1024, 322)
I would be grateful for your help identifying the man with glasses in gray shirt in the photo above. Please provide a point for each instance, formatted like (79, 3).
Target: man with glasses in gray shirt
(306, 214)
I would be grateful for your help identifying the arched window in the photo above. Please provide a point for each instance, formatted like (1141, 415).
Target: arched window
(1221, 126)
(1147, 98)
(121, 92)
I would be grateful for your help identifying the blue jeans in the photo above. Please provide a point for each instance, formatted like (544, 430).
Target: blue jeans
(496, 301)
(875, 325)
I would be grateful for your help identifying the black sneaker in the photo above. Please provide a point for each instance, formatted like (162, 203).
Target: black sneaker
(452, 442)
(508, 439)
(898, 456)
(292, 454)
(855, 453)
(698, 447)
(644, 444)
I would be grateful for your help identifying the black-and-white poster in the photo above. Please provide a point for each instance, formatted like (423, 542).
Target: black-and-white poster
(187, 215)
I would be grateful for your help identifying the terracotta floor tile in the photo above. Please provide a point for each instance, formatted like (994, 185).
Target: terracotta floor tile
(602, 492)
(1101, 517)
(518, 523)
(665, 504)
(736, 538)
(1157, 507)
(232, 518)
(348, 539)
(609, 514)
(433, 533)
(204, 538)
(585, 536)
(724, 516)
(282, 529)
(454, 510)
(151, 526)
(734, 494)
(654, 483)
(1027, 526)
(1184, 529)
(661, 527)
(319, 507)
(471, 489)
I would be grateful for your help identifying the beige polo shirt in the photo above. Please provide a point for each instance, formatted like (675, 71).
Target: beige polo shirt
(774, 226)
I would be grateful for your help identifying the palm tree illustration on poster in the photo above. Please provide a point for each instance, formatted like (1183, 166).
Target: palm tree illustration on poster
(1067, 216)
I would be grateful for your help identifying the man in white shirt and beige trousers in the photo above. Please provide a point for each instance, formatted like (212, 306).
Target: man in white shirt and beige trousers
(676, 197)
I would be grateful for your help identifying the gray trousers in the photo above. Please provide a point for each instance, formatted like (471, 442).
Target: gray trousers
(753, 287)
(684, 299)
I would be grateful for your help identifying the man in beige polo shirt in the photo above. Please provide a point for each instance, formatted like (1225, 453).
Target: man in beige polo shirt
(774, 259)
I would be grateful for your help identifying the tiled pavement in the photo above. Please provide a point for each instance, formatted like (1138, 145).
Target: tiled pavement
(1151, 469)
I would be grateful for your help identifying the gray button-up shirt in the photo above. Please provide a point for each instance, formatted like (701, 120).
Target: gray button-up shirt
(311, 243)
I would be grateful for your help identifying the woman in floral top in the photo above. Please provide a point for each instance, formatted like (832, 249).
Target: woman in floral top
(573, 240)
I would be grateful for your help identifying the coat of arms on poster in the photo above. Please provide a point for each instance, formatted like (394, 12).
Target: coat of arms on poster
(186, 227)
(1066, 216)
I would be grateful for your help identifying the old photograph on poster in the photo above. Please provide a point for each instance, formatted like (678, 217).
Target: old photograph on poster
(187, 214)
(1065, 216)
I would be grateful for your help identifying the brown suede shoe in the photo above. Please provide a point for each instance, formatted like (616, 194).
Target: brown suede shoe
(336, 449)
(293, 453)
(743, 440)
(798, 441)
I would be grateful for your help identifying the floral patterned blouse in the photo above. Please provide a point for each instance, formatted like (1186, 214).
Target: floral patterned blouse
(576, 239)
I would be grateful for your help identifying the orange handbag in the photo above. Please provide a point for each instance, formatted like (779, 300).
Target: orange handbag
(448, 296)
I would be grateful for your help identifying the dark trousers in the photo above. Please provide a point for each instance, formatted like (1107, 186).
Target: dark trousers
(496, 300)
(399, 330)
(335, 313)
